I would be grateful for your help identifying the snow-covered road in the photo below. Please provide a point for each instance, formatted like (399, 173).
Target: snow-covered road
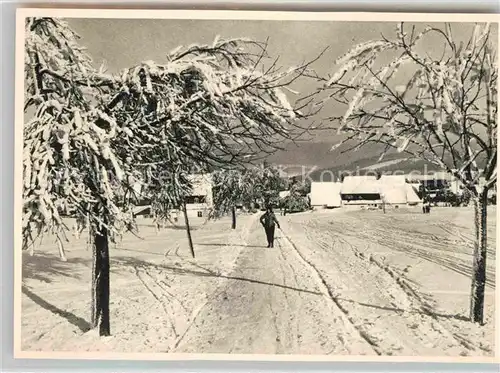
(335, 283)
(272, 302)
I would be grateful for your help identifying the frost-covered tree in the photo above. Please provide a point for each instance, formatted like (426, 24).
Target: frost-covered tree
(209, 107)
(234, 187)
(89, 134)
(212, 107)
(296, 200)
(439, 105)
(210, 104)
(268, 184)
(229, 189)
(247, 186)
(302, 187)
(69, 163)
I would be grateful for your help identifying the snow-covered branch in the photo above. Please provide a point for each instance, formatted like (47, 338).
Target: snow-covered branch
(87, 132)
(441, 107)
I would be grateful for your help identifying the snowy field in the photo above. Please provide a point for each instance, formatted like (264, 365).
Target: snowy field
(337, 282)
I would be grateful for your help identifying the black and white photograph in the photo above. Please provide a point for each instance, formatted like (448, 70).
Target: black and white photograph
(232, 184)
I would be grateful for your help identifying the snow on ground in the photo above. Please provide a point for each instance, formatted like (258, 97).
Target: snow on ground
(338, 282)
(403, 277)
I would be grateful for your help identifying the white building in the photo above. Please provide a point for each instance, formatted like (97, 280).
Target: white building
(437, 180)
(200, 202)
(393, 189)
(412, 197)
(325, 194)
(360, 190)
(396, 191)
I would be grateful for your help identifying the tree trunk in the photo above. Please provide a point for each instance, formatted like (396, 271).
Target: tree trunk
(479, 259)
(100, 282)
(188, 230)
(233, 213)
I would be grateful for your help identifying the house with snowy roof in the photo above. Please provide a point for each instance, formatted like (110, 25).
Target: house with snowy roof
(438, 181)
(412, 197)
(325, 194)
(392, 189)
(200, 201)
(396, 191)
(389, 190)
(435, 181)
(360, 190)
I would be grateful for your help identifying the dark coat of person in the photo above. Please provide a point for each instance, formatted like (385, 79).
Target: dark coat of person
(269, 222)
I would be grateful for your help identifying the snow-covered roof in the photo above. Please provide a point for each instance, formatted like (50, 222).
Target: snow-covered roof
(393, 194)
(411, 194)
(393, 188)
(326, 194)
(360, 185)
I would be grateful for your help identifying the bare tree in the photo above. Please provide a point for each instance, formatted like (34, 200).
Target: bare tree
(440, 108)
(88, 133)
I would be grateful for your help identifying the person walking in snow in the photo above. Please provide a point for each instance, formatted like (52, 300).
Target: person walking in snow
(269, 222)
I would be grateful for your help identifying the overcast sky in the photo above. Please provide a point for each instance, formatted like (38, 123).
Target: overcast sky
(123, 43)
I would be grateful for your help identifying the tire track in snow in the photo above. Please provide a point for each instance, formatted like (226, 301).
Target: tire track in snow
(332, 299)
(258, 313)
(366, 325)
(300, 331)
(416, 309)
(420, 251)
(194, 317)
(414, 305)
(277, 345)
(429, 247)
(163, 304)
(418, 303)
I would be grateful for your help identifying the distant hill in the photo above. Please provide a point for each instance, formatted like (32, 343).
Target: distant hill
(314, 159)
(318, 154)
(298, 158)
(391, 164)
